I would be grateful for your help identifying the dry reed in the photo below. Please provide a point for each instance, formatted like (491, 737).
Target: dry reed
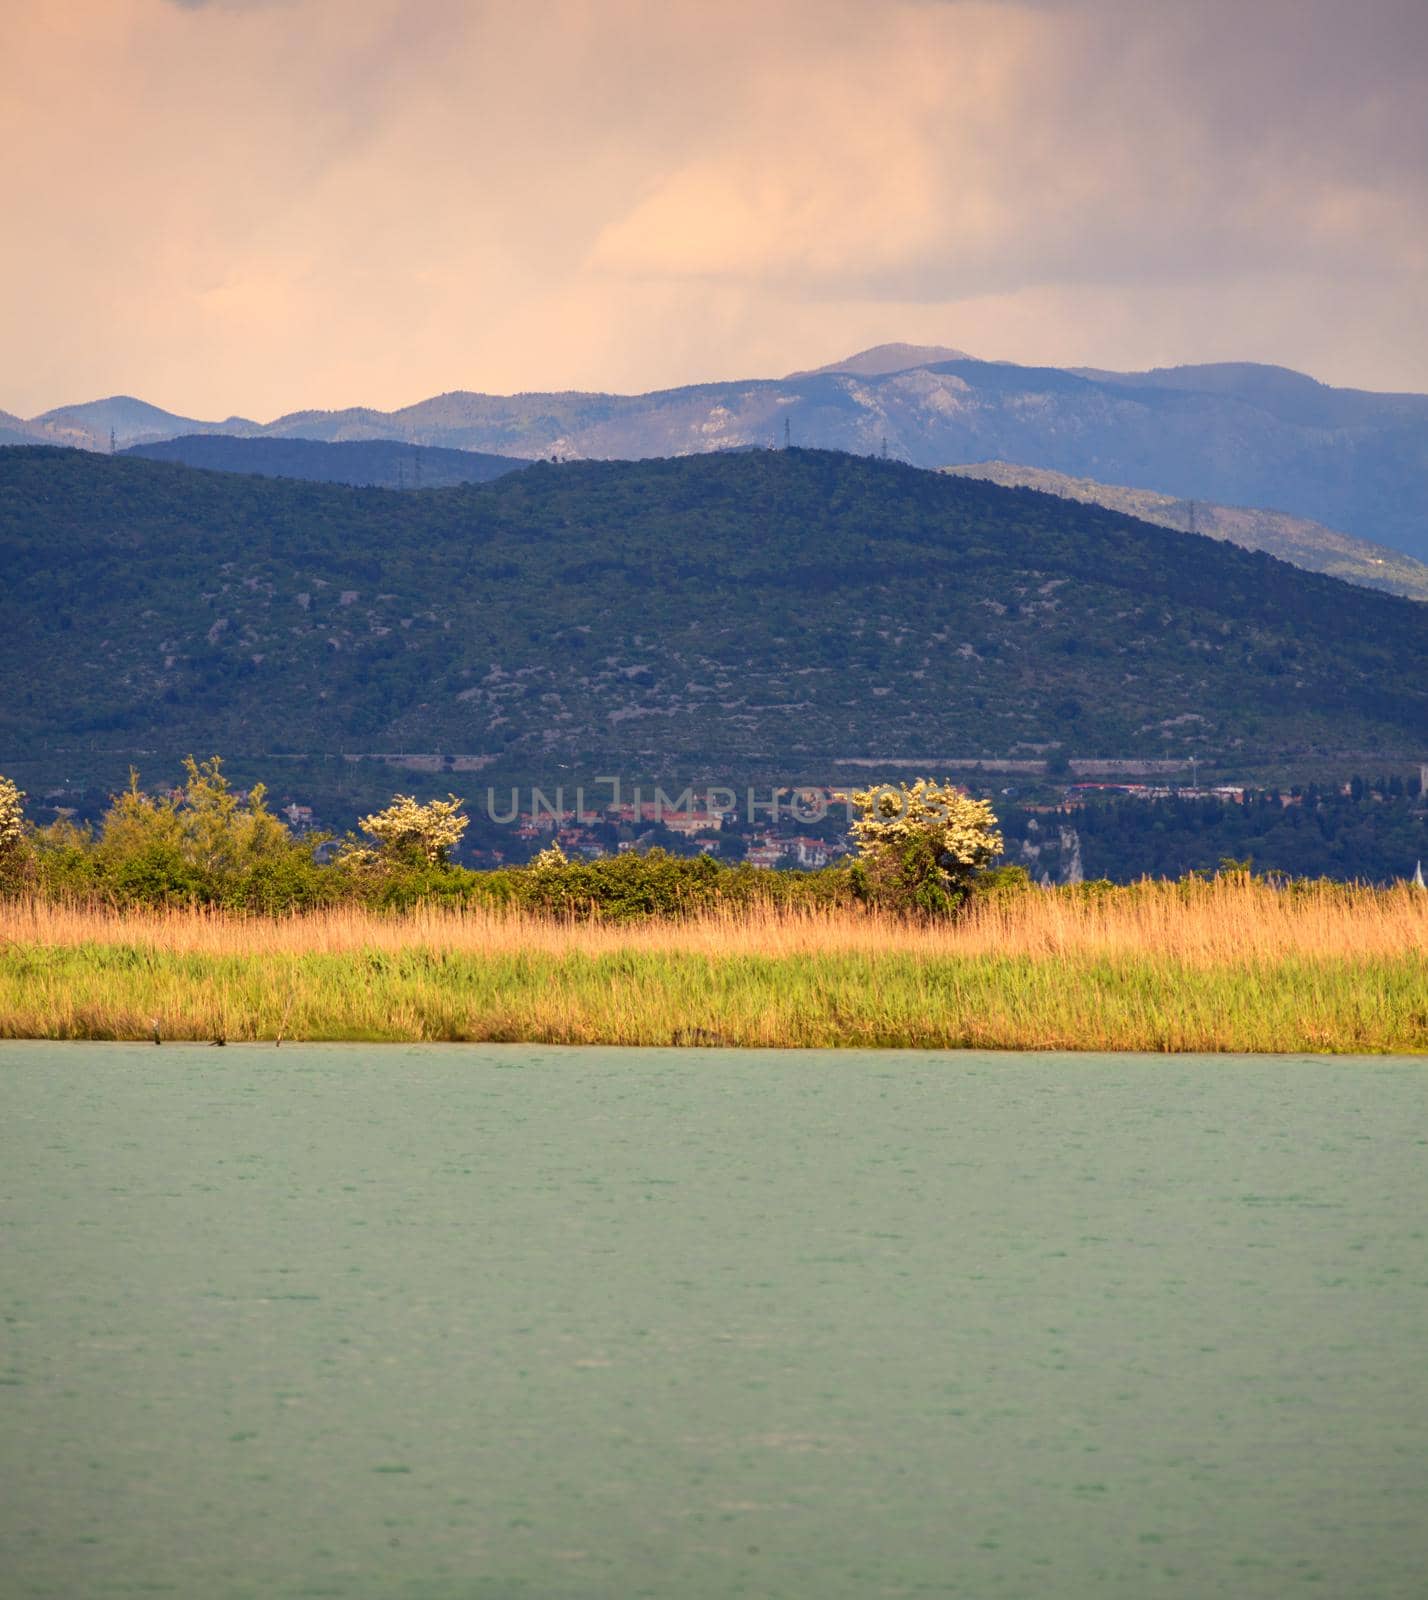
(1222, 920)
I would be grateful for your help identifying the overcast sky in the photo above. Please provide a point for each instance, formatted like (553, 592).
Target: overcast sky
(259, 205)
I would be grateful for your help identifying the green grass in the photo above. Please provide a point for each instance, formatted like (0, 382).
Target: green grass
(644, 997)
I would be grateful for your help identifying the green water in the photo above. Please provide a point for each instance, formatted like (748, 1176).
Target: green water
(519, 1322)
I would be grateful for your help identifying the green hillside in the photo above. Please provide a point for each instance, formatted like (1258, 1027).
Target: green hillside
(710, 614)
(1294, 539)
(376, 463)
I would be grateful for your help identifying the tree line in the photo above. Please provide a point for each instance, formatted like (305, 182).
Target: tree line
(923, 848)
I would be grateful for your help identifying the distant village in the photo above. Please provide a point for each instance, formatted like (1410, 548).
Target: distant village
(641, 825)
(809, 828)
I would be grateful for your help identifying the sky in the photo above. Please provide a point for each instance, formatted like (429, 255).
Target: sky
(255, 206)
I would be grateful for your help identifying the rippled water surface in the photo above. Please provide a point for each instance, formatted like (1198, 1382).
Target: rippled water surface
(511, 1322)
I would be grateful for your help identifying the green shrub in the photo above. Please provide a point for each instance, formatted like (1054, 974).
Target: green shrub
(199, 845)
(621, 887)
(655, 883)
(65, 866)
(1005, 880)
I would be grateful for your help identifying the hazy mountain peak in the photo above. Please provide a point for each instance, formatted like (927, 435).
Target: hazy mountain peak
(114, 411)
(884, 358)
(123, 419)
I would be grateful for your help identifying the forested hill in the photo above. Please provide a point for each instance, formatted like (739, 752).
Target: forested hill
(709, 612)
(380, 463)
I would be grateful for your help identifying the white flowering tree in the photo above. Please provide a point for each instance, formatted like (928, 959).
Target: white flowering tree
(551, 859)
(14, 836)
(920, 844)
(407, 832)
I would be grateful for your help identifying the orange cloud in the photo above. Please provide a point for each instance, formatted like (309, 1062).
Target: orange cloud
(244, 206)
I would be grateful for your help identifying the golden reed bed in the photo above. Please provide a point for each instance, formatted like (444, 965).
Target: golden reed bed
(1224, 920)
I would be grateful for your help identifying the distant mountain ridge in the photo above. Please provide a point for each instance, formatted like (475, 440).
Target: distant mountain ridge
(1231, 433)
(122, 420)
(1294, 539)
(15, 430)
(1291, 396)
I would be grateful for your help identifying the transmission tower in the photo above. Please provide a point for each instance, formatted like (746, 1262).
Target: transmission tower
(787, 434)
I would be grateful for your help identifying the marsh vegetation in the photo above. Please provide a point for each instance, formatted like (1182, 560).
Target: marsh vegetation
(1231, 964)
